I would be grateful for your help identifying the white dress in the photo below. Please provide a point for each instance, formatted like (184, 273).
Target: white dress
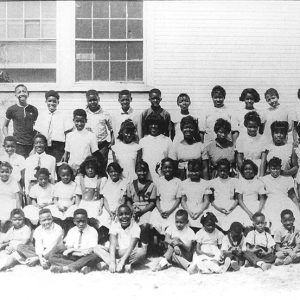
(168, 191)
(194, 192)
(8, 199)
(284, 152)
(278, 200)
(126, 156)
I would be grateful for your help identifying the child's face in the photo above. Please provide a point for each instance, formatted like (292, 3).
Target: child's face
(43, 180)
(124, 216)
(188, 131)
(222, 134)
(223, 172)
(125, 100)
(279, 137)
(194, 174)
(9, 147)
(46, 220)
(141, 173)
(252, 128)
(113, 174)
(249, 101)
(287, 221)
(235, 236)
(52, 103)
(275, 171)
(184, 103)
(272, 100)
(79, 122)
(209, 227)
(80, 221)
(218, 100)
(22, 94)
(259, 224)
(4, 173)
(93, 102)
(167, 169)
(17, 221)
(39, 145)
(155, 99)
(65, 176)
(248, 172)
(180, 222)
(154, 129)
(90, 171)
(128, 136)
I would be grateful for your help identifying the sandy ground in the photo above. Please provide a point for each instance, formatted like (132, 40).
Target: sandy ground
(34, 283)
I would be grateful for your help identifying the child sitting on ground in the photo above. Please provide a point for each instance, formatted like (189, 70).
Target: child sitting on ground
(287, 240)
(180, 240)
(18, 234)
(259, 245)
(123, 252)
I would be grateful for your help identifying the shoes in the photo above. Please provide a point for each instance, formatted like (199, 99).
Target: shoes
(278, 262)
(235, 265)
(56, 269)
(85, 270)
(226, 265)
(247, 264)
(192, 269)
(128, 268)
(46, 266)
(160, 267)
(265, 266)
(288, 260)
(101, 266)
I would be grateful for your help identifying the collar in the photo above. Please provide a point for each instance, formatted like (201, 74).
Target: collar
(158, 111)
(129, 111)
(229, 143)
(127, 228)
(23, 106)
(292, 231)
(99, 111)
(40, 155)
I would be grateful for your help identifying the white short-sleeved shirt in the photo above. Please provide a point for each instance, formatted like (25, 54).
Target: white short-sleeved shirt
(228, 245)
(80, 144)
(90, 183)
(88, 238)
(279, 185)
(41, 194)
(17, 162)
(284, 152)
(8, 189)
(124, 236)
(186, 235)
(16, 236)
(263, 239)
(287, 238)
(65, 192)
(47, 239)
(205, 238)
(250, 188)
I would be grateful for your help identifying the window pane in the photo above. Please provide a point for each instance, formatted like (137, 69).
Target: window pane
(32, 9)
(101, 50)
(2, 53)
(135, 29)
(118, 9)
(101, 29)
(2, 10)
(117, 29)
(15, 9)
(118, 71)
(83, 9)
(15, 29)
(83, 70)
(100, 9)
(84, 28)
(32, 75)
(48, 9)
(135, 71)
(134, 50)
(118, 51)
(101, 70)
(32, 53)
(135, 9)
(14, 53)
(2, 29)
(48, 52)
(84, 50)
(48, 29)
(32, 29)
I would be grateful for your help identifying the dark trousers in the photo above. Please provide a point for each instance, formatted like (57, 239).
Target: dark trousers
(254, 259)
(103, 154)
(23, 150)
(57, 149)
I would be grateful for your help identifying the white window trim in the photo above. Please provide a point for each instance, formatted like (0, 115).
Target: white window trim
(65, 58)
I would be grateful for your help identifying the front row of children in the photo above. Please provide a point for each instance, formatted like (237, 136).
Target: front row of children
(207, 251)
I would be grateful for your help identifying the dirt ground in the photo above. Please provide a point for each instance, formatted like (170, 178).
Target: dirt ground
(34, 283)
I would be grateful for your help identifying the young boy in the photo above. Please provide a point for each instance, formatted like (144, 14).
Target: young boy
(180, 240)
(18, 234)
(259, 245)
(156, 109)
(287, 240)
(54, 125)
(47, 237)
(99, 122)
(126, 112)
(77, 253)
(80, 143)
(23, 116)
(123, 251)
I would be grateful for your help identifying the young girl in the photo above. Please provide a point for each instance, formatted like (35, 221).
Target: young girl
(125, 149)
(141, 196)
(41, 196)
(155, 146)
(224, 199)
(10, 194)
(168, 199)
(195, 194)
(207, 257)
(64, 192)
(280, 195)
(251, 193)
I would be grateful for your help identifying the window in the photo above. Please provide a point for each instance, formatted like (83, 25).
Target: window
(28, 41)
(109, 41)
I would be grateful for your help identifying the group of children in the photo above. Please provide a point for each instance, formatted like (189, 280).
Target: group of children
(187, 197)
